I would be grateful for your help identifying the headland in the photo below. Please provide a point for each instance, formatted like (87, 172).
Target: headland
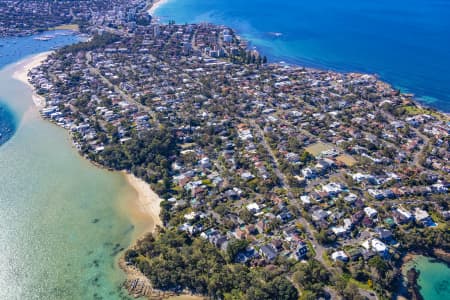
(268, 173)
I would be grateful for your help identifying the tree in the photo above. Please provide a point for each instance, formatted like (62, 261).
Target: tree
(311, 276)
(246, 216)
(351, 292)
(131, 255)
(234, 247)
(282, 289)
(256, 293)
(379, 264)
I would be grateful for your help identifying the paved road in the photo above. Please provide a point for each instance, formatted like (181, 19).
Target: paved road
(318, 248)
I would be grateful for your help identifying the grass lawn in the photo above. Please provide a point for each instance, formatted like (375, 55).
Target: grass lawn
(415, 110)
(348, 160)
(317, 148)
(73, 27)
(360, 284)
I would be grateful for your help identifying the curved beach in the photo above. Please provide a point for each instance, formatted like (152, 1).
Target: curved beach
(146, 204)
(76, 218)
(155, 5)
(24, 67)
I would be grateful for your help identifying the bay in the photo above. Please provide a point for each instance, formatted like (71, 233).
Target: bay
(434, 278)
(63, 221)
(12, 49)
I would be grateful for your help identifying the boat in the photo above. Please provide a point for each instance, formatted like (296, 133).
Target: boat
(65, 33)
(44, 38)
(275, 34)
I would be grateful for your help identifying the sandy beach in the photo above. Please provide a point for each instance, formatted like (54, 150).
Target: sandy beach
(142, 206)
(24, 67)
(155, 5)
(146, 203)
(145, 207)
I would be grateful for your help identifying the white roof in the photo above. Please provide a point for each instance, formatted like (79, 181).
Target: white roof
(332, 187)
(350, 197)
(420, 214)
(338, 230)
(404, 212)
(253, 206)
(305, 199)
(190, 216)
(339, 255)
(375, 244)
(370, 211)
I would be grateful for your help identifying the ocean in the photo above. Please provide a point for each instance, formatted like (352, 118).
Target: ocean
(63, 221)
(405, 42)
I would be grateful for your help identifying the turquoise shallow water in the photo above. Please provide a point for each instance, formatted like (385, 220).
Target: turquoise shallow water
(434, 278)
(406, 42)
(62, 220)
(13, 49)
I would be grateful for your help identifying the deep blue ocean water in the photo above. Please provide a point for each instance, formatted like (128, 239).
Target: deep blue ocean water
(405, 42)
(13, 49)
(7, 124)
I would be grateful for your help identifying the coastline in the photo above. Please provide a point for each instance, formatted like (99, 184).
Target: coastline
(437, 254)
(410, 276)
(261, 43)
(143, 208)
(410, 273)
(147, 201)
(147, 205)
(155, 5)
(35, 139)
(21, 74)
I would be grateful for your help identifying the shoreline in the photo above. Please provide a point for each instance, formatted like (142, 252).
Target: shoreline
(144, 207)
(21, 74)
(155, 5)
(310, 64)
(437, 254)
(147, 201)
(408, 267)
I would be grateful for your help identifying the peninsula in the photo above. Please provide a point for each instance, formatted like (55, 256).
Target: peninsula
(277, 181)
